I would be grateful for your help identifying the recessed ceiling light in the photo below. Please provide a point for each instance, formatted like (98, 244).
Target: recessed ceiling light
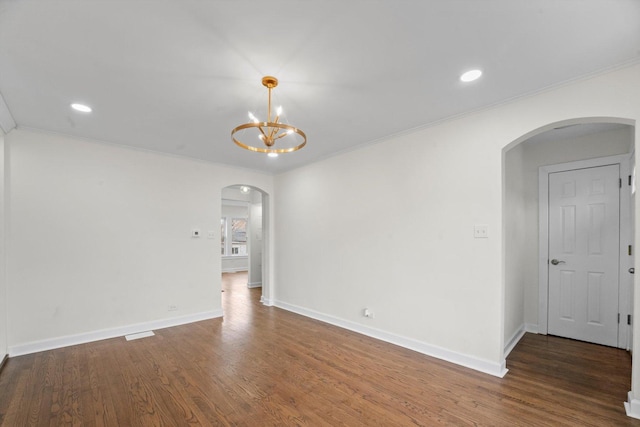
(82, 108)
(471, 75)
(272, 154)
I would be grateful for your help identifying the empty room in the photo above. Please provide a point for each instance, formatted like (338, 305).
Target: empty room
(319, 212)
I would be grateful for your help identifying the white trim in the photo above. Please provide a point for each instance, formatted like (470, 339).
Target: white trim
(514, 340)
(266, 301)
(252, 285)
(517, 336)
(96, 140)
(5, 226)
(488, 107)
(65, 341)
(632, 406)
(543, 235)
(234, 269)
(485, 366)
(625, 279)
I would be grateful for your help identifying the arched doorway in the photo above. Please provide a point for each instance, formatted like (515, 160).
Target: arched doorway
(244, 235)
(556, 143)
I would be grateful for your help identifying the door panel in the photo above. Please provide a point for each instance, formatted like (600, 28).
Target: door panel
(584, 238)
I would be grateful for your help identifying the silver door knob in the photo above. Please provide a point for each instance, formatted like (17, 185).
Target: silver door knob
(556, 261)
(632, 270)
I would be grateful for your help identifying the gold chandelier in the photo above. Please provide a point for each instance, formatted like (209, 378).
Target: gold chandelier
(266, 134)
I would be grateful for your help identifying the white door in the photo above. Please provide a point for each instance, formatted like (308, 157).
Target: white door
(584, 225)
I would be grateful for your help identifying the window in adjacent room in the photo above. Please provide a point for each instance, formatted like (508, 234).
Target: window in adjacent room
(239, 236)
(236, 228)
(223, 234)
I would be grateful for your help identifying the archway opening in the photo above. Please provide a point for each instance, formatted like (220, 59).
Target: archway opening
(244, 235)
(556, 144)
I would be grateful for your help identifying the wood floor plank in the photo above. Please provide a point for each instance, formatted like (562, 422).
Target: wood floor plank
(264, 366)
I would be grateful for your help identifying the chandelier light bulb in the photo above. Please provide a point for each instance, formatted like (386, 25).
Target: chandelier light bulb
(279, 110)
(253, 118)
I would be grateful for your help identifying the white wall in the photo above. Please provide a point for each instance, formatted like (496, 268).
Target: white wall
(515, 244)
(100, 239)
(390, 226)
(3, 286)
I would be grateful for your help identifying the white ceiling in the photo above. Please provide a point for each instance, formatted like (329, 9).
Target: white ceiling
(177, 76)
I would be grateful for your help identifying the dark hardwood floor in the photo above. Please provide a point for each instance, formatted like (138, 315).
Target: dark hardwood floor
(265, 366)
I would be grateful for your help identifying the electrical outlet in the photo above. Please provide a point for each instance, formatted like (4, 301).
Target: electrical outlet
(480, 231)
(367, 313)
(173, 307)
(211, 234)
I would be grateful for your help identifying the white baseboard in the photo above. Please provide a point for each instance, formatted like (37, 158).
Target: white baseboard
(65, 341)
(234, 269)
(513, 341)
(266, 301)
(488, 367)
(517, 336)
(632, 406)
(252, 285)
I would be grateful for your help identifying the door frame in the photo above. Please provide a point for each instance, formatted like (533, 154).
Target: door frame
(631, 261)
(625, 304)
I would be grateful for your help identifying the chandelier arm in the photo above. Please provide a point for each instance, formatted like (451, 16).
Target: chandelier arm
(282, 135)
(268, 149)
(274, 129)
